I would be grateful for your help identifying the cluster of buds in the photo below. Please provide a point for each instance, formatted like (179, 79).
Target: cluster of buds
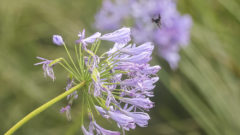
(118, 83)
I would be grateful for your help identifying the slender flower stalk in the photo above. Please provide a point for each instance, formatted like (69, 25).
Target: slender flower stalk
(117, 84)
(42, 108)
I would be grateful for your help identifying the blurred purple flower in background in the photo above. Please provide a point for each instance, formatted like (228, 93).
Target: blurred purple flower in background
(152, 20)
(112, 15)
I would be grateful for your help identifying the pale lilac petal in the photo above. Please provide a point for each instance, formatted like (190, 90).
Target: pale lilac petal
(116, 47)
(48, 70)
(87, 40)
(102, 111)
(144, 57)
(105, 131)
(140, 118)
(66, 109)
(92, 38)
(148, 84)
(81, 35)
(123, 120)
(120, 36)
(144, 103)
(146, 47)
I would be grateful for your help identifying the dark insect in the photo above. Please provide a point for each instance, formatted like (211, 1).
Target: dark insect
(157, 21)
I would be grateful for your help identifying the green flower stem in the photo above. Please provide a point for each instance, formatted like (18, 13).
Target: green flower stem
(70, 57)
(42, 108)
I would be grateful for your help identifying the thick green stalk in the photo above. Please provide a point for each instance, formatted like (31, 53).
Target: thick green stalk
(42, 108)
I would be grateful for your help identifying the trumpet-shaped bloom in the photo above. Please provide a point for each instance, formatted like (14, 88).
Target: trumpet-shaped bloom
(103, 131)
(144, 103)
(140, 118)
(120, 36)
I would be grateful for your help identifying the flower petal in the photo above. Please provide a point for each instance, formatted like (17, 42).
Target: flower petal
(120, 36)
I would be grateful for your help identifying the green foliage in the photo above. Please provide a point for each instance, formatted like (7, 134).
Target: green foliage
(207, 82)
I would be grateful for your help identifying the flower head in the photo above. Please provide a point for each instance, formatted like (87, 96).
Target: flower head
(119, 82)
(159, 22)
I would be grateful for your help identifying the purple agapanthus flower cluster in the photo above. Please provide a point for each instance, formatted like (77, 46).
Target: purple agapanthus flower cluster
(119, 83)
(152, 20)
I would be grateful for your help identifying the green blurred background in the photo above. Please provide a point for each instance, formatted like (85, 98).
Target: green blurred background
(202, 97)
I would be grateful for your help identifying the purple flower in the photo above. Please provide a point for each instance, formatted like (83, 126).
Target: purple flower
(150, 70)
(99, 130)
(102, 112)
(119, 77)
(159, 22)
(87, 40)
(130, 53)
(144, 57)
(122, 120)
(116, 47)
(111, 15)
(171, 55)
(134, 67)
(103, 131)
(142, 33)
(172, 37)
(144, 103)
(48, 70)
(148, 84)
(146, 47)
(135, 87)
(81, 35)
(119, 36)
(57, 39)
(92, 38)
(176, 33)
(66, 109)
(140, 118)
